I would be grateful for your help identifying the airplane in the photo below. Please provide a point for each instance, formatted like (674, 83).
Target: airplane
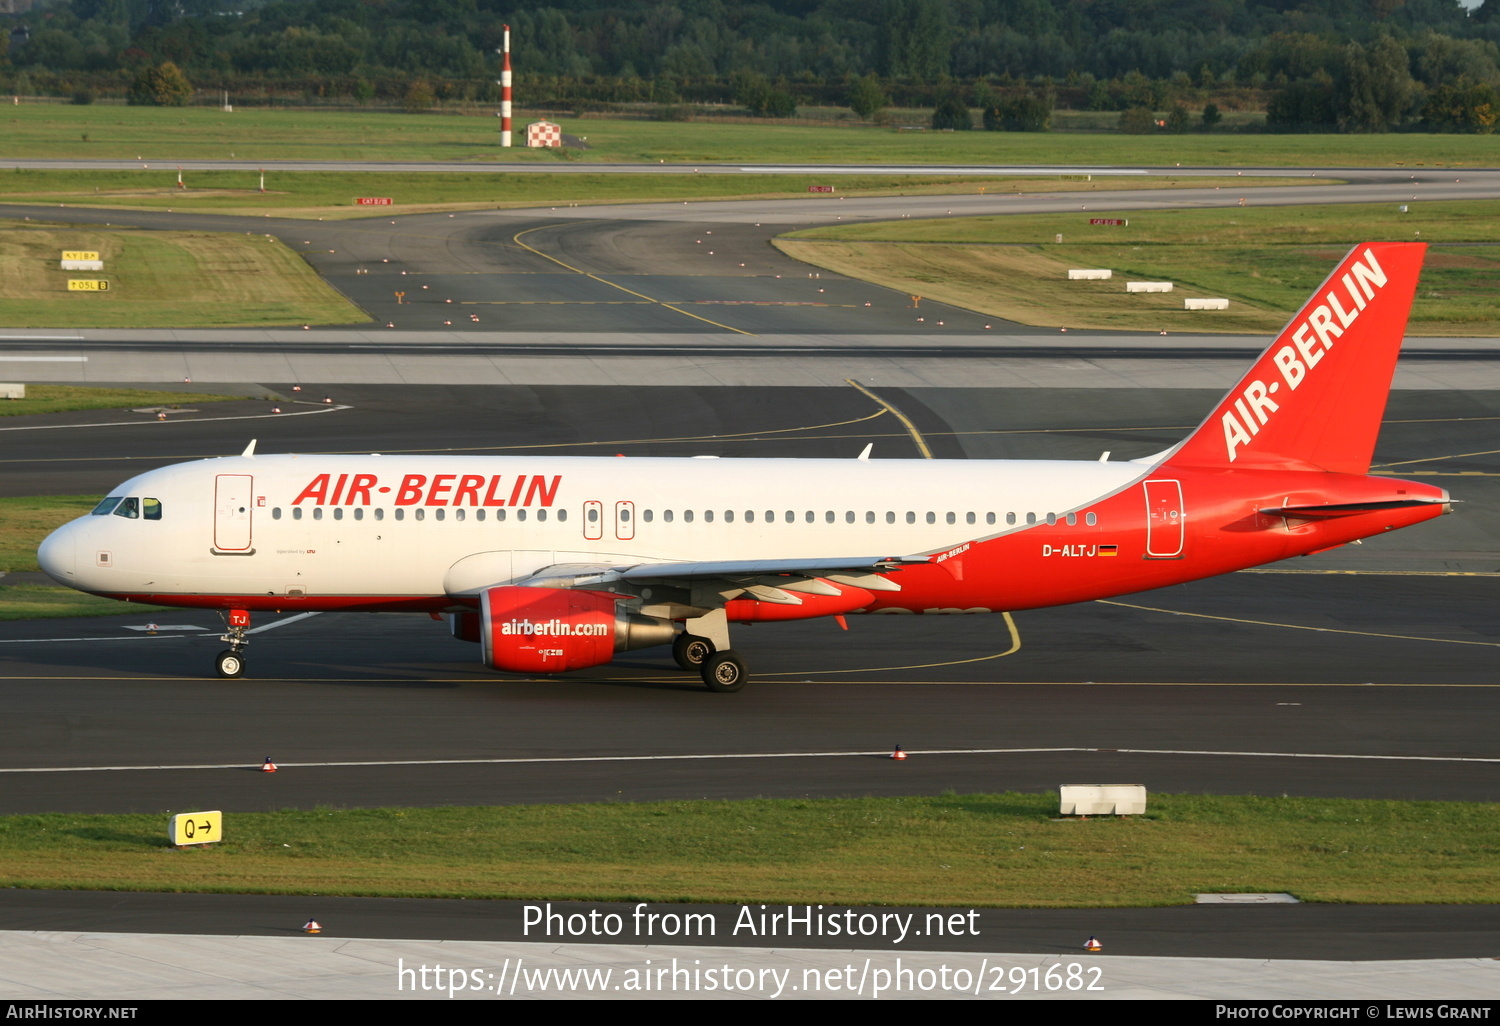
(554, 564)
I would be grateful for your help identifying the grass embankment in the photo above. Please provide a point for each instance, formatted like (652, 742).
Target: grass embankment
(1265, 261)
(66, 398)
(24, 522)
(161, 280)
(330, 195)
(1001, 850)
(164, 134)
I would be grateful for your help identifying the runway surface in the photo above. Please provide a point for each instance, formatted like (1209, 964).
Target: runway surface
(1365, 673)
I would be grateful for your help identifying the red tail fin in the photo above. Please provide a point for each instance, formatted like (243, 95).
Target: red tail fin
(1315, 397)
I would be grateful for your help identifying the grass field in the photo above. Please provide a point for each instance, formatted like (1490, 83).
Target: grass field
(161, 279)
(24, 522)
(41, 601)
(63, 398)
(331, 194)
(1266, 261)
(974, 850)
(161, 134)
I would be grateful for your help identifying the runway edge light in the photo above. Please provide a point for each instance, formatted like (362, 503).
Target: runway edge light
(268, 766)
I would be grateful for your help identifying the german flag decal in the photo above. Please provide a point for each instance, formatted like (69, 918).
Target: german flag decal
(1109, 550)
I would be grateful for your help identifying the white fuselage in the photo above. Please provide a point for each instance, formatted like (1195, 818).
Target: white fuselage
(414, 526)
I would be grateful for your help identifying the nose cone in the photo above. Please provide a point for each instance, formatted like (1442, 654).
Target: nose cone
(57, 558)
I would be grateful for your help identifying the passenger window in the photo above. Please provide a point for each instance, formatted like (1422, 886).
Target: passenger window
(869, 516)
(667, 515)
(541, 514)
(989, 518)
(890, 516)
(499, 516)
(931, 517)
(708, 516)
(151, 509)
(1010, 519)
(952, 518)
(810, 516)
(848, 516)
(380, 514)
(749, 516)
(593, 515)
(969, 518)
(520, 514)
(338, 512)
(1072, 519)
(791, 517)
(729, 516)
(911, 518)
(648, 516)
(297, 513)
(562, 514)
(1051, 519)
(828, 516)
(129, 508)
(359, 513)
(1090, 519)
(317, 512)
(276, 513)
(458, 514)
(437, 514)
(1031, 518)
(106, 506)
(400, 514)
(687, 516)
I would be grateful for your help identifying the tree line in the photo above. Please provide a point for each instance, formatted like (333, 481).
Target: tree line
(1351, 65)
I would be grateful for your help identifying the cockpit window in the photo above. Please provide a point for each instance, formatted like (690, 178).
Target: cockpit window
(106, 506)
(151, 509)
(130, 507)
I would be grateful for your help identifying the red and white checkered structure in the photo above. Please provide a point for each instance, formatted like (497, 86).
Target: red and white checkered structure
(543, 133)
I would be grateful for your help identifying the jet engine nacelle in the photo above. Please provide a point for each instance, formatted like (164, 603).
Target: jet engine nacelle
(552, 630)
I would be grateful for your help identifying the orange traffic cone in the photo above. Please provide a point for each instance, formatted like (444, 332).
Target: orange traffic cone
(1093, 945)
(898, 754)
(268, 766)
(312, 926)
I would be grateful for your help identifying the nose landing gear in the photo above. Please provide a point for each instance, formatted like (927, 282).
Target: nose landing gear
(231, 663)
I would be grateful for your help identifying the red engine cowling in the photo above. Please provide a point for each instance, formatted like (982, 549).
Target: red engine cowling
(552, 630)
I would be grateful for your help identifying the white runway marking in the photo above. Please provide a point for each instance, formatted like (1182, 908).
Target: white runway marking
(883, 753)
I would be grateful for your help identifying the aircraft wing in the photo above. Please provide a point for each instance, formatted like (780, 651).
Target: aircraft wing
(744, 571)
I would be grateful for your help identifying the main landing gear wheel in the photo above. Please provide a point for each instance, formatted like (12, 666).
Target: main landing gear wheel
(690, 651)
(229, 664)
(724, 672)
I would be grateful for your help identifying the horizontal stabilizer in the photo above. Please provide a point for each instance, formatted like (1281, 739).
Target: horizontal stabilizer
(1344, 509)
